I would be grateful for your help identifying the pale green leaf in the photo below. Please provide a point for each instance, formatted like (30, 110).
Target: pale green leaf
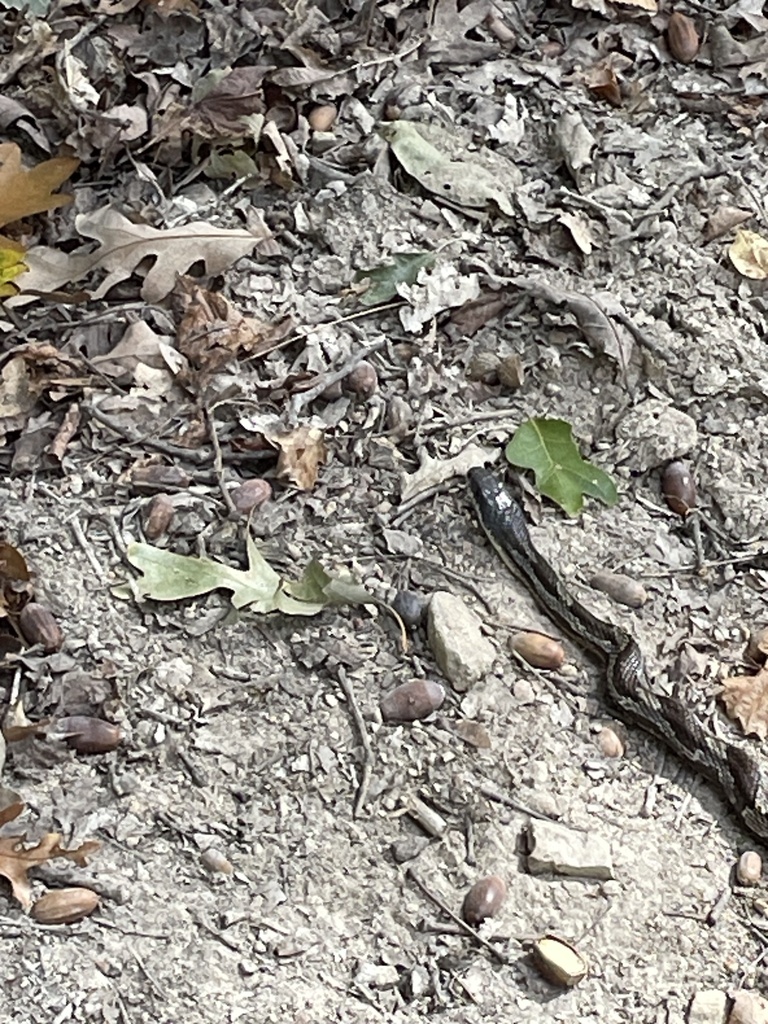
(547, 447)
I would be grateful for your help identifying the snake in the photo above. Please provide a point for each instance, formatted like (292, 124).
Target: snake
(730, 765)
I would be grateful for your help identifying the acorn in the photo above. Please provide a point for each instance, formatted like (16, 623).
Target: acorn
(38, 626)
(484, 899)
(682, 38)
(679, 489)
(65, 906)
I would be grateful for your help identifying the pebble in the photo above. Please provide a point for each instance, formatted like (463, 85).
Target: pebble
(464, 655)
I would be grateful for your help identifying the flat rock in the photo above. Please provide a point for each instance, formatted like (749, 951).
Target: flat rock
(563, 851)
(707, 1007)
(464, 655)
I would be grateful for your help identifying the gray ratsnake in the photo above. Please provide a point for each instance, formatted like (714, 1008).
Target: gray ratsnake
(735, 769)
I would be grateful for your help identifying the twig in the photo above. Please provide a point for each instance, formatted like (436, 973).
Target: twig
(303, 398)
(82, 540)
(199, 456)
(218, 463)
(467, 929)
(488, 789)
(368, 757)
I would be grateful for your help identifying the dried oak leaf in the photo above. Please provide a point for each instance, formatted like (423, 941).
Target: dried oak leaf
(24, 191)
(212, 332)
(16, 860)
(123, 246)
(301, 452)
(746, 700)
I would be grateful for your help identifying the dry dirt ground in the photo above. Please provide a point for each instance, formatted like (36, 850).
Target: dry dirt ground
(240, 734)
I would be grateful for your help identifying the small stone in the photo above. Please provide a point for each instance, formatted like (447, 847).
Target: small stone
(377, 976)
(523, 692)
(749, 868)
(409, 848)
(464, 655)
(563, 851)
(654, 432)
(707, 1007)
(410, 607)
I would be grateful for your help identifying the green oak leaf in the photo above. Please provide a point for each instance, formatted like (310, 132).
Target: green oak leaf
(404, 269)
(171, 577)
(547, 447)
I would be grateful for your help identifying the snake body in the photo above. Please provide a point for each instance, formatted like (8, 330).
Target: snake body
(733, 767)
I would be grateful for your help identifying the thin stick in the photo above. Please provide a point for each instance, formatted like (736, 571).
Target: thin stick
(218, 464)
(303, 398)
(368, 757)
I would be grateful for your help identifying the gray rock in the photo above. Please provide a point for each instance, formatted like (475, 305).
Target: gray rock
(654, 432)
(464, 655)
(707, 1007)
(563, 851)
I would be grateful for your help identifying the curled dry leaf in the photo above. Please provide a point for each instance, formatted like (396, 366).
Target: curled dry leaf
(16, 859)
(757, 646)
(746, 700)
(749, 254)
(213, 333)
(302, 451)
(26, 191)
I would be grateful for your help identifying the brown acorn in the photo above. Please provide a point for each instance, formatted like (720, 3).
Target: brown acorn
(38, 626)
(65, 906)
(682, 38)
(484, 899)
(88, 735)
(159, 517)
(679, 489)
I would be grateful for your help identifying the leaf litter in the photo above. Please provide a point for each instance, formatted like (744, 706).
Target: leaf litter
(603, 208)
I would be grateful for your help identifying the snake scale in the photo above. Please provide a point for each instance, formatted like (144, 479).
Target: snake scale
(733, 767)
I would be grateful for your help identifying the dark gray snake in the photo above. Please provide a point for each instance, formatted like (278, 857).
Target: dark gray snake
(733, 767)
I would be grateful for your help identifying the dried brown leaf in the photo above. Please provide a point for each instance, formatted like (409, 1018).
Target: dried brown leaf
(301, 453)
(746, 700)
(24, 191)
(16, 860)
(212, 332)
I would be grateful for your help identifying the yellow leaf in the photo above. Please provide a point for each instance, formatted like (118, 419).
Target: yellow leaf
(11, 265)
(749, 254)
(26, 191)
